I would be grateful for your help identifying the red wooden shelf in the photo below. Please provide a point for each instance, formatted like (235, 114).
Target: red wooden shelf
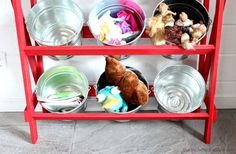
(32, 56)
(112, 116)
(104, 50)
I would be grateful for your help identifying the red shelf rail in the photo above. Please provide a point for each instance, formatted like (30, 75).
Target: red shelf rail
(31, 62)
(104, 50)
(112, 116)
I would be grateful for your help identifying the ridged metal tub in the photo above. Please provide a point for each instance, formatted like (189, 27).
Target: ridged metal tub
(179, 89)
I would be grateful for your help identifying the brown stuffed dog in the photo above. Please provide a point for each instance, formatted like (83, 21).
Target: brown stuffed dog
(114, 70)
(133, 90)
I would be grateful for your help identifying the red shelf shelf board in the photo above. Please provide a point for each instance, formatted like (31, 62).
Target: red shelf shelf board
(112, 116)
(104, 50)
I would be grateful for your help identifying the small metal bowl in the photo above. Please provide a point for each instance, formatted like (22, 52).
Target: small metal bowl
(60, 89)
(103, 82)
(179, 89)
(55, 23)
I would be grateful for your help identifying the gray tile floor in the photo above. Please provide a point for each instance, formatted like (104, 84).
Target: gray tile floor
(107, 137)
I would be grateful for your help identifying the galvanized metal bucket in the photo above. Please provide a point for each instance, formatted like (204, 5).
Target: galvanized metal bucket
(195, 10)
(115, 6)
(63, 89)
(179, 89)
(55, 23)
(103, 82)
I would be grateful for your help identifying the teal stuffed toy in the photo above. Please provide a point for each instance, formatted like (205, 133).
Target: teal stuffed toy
(111, 100)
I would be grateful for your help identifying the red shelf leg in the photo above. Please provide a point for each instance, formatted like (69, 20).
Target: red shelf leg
(25, 70)
(33, 131)
(212, 66)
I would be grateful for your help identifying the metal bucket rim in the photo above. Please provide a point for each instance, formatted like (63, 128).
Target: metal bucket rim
(59, 67)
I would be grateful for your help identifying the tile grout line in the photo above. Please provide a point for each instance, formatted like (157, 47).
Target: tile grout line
(73, 138)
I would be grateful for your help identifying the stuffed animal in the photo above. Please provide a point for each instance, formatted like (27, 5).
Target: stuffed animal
(165, 10)
(127, 83)
(114, 70)
(168, 20)
(173, 34)
(132, 89)
(156, 31)
(111, 100)
(183, 20)
(163, 29)
(156, 25)
(118, 57)
(167, 14)
(185, 42)
(197, 30)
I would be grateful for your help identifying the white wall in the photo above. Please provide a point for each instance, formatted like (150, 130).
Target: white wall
(11, 84)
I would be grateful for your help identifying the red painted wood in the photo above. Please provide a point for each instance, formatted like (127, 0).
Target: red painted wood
(103, 50)
(33, 64)
(25, 69)
(33, 130)
(32, 60)
(92, 91)
(39, 65)
(32, 2)
(204, 41)
(214, 67)
(112, 116)
(151, 94)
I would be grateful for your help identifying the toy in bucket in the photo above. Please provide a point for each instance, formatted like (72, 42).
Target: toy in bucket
(117, 23)
(55, 23)
(121, 89)
(178, 22)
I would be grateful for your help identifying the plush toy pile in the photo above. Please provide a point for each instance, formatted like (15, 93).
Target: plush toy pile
(127, 88)
(118, 30)
(163, 28)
